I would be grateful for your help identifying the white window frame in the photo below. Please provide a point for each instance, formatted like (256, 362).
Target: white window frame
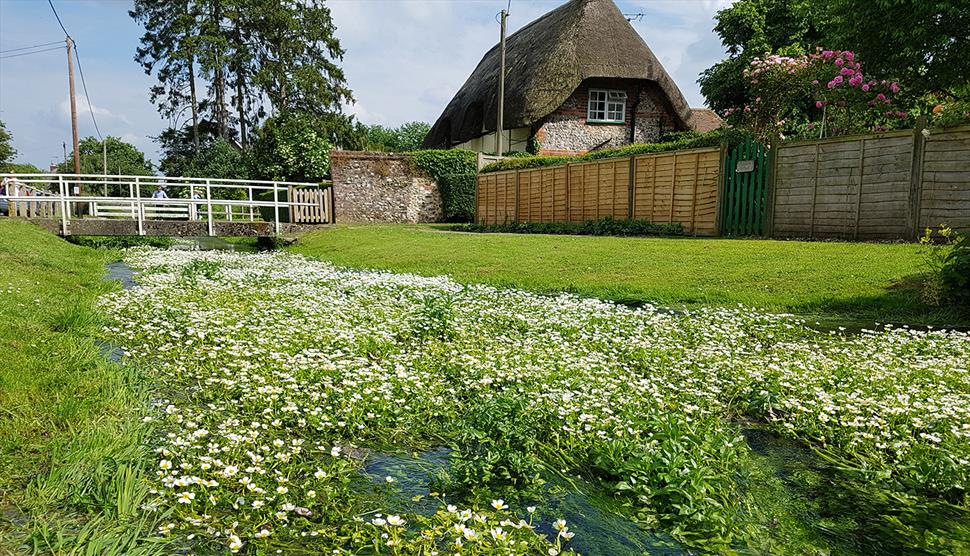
(606, 106)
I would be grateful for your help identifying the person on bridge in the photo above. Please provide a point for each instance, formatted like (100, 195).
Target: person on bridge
(194, 207)
(159, 193)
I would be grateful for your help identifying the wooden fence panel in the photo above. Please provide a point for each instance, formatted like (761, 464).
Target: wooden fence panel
(945, 192)
(847, 188)
(678, 187)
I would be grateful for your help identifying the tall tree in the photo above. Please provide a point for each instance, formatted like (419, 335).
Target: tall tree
(169, 47)
(253, 57)
(296, 53)
(926, 43)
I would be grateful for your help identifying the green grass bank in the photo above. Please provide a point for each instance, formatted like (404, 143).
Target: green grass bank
(832, 281)
(71, 435)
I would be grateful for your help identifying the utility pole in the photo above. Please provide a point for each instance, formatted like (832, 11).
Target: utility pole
(70, 78)
(500, 124)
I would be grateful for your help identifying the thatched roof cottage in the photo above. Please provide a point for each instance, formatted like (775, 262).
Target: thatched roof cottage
(577, 78)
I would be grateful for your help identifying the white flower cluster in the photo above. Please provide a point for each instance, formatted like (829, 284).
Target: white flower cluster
(276, 367)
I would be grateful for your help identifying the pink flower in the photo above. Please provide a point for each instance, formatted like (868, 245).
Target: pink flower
(865, 87)
(847, 71)
(819, 104)
(894, 87)
(900, 114)
(880, 97)
(815, 82)
(839, 61)
(827, 53)
(810, 125)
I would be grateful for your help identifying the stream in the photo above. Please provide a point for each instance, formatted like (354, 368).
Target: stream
(810, 505)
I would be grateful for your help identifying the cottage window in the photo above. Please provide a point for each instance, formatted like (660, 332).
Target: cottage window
(606, 106)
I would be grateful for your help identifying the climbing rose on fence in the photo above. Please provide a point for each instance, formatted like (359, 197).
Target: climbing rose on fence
(821, 94)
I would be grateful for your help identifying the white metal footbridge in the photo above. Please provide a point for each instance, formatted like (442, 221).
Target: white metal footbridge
(90, 204)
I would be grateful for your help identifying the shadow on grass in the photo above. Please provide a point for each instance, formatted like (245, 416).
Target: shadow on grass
(900, 304)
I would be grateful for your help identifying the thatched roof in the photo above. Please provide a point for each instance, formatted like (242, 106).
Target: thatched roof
(545, 62)
(704, 119)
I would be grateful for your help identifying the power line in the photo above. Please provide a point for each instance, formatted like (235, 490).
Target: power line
(27, 53)
(58, 18)
(77, 57)
(30, 47)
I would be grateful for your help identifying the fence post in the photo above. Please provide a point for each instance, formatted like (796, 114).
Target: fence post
(252, 217)
(770, 184)
(811, 223)
(858, 200)
(208, 206)
(693, 195)
(139, 208)
(673, 189)
(64, 206)
(719, 198)
(916, 176)
(629, 187)
(276, 208)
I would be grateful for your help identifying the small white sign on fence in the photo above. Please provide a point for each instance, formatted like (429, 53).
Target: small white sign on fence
(744, 166)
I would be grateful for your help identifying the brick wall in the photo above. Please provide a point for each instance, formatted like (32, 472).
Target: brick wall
(566, 131)
(382, 187)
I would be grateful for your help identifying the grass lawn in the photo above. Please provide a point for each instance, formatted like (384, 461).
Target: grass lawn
(71, 434)
(833, 281)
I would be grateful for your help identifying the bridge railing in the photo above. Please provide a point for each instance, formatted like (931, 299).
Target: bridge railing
(147, 198)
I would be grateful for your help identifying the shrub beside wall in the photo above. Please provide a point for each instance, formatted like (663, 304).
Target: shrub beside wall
(454, 171)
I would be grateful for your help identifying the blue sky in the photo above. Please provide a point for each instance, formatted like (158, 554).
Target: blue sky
(404, 60)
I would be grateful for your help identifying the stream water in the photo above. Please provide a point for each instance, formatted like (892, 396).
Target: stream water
(806, 504)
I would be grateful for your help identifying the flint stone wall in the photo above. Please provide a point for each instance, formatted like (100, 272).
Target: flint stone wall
(566, 131)
(382, 187)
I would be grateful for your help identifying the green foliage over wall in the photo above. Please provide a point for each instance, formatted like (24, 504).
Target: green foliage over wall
(604, 227)
(690, 140)
(458, 196)
(291, 147)
(454, 170)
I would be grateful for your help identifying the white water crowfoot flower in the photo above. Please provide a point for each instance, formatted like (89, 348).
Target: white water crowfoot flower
(500, 505)
(288, 365)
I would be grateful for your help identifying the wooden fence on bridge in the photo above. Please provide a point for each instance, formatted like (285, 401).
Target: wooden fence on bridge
(203, 206)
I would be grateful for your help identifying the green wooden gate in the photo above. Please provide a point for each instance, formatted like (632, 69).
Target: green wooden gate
(745, 194)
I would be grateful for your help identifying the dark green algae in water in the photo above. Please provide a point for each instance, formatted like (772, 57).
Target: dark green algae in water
(799, 504)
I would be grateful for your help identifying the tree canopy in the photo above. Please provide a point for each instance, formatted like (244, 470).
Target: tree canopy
(7, 152)
(123, 158)
(233, 61)
(406, 137)
(923, 44)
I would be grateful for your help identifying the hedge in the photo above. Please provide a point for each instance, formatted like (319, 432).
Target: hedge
(457, 196)
(454, 171)
(604, 227)
(685, 140)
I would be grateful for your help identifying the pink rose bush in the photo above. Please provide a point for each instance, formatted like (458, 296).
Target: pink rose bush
(826, 89)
